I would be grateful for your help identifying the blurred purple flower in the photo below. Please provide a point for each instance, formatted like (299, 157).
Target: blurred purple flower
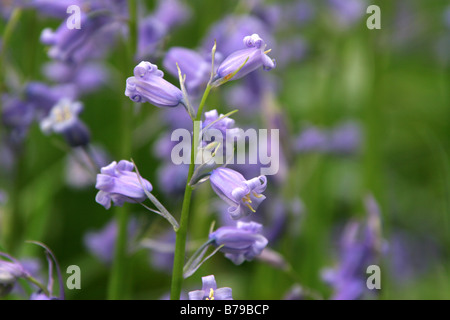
(196, 67)
(82, 167)
(151, 33)
(290, 51)
(118, 183)
(155, 27)
(172, 13)
(256, 55)
(17, 116)
(53, 8)
(241, 242)
(247, 94)
(411, 256)
(3, 197)
(102, 243)
(223, 126)
(148, 85)
(86, 77)
(447, 17)
(229, 32)
(9, 273)
(210, 292)
(243, 196)
(348, 12)
(63, 119)
(345, 139)
(360, 247)
(161, 251)
(172, 178)
(295, 293)
(44, 97)
(92, 40)
(310, 140)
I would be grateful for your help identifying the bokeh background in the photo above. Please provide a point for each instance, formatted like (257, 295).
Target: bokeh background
(389, 86)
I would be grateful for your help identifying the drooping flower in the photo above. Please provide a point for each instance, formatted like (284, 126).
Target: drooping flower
(63, 119)
(254, 57)
(118, 183)
(148, 85)
(242, 242)
(210, 292)
(243, 196)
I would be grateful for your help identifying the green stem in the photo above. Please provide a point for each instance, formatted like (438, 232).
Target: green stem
(180, 243)
(15, 17)
(39, 285)
(119, 276)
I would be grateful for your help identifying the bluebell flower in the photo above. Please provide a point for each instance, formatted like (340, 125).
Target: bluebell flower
(243, 196)
(148, 85)
(254, 54)
(118, 183)
(192, 64)
(210, 292)
(241, 242)
(63, 119)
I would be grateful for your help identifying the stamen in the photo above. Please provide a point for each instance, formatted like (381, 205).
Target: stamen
(250, 207)
(257, 195)
(267, 51)
(247, 198)
(211, 294)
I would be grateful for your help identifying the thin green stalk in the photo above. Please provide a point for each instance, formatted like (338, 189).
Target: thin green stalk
(39, 285)
(180, 243)
(9, 29)
(119, 273)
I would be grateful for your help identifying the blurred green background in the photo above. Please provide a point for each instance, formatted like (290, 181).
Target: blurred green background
(393, 81)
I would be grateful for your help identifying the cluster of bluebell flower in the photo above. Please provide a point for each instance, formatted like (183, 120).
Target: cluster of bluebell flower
(117, 182)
